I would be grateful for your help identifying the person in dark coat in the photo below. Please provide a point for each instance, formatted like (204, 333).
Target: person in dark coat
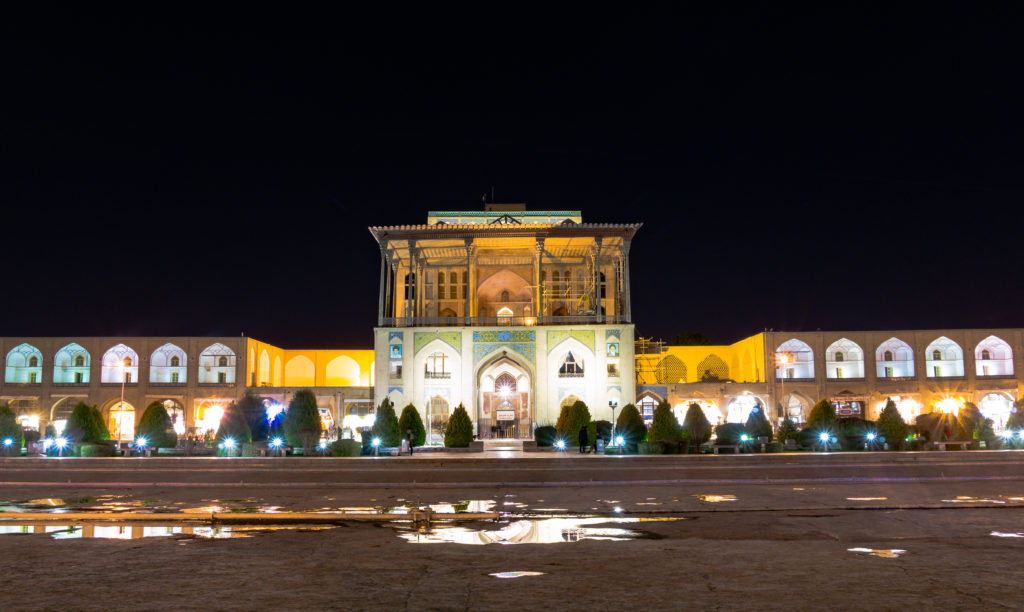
(583, 439)
(409, 437)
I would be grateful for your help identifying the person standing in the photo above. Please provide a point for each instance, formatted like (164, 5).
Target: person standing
(583, 439)
(409, 439)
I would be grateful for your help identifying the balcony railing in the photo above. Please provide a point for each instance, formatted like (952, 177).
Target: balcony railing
(437, 375)
(581, 319)
(570, 374)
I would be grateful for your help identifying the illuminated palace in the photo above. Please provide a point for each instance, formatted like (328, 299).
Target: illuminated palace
(513, 314)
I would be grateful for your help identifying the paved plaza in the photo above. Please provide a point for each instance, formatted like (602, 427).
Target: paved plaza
(838, 531)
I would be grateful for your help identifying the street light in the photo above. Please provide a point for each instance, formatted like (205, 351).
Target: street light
(126, 363)
(783, 361)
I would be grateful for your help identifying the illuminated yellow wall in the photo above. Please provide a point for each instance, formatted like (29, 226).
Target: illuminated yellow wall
(309, 368)
(744, 360)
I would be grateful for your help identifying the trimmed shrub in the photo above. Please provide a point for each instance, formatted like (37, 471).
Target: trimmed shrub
(302, 426)
(157, 427)
(696, 425)
(630, 425)
(545, 435)
(385, 426)
(728, 434)
(251, 408)
(233, 426)
(664, 427)
(571, 420)
(85, 425)
(788, 430)
(937, 426)
(891, 426)
(757, 425)
(650, 448)
(1016, 419)
(96, 450)
(10, 428)
(773, 447)
(850, 432)
(346, 448)
(410, 419)
(823, 416)
(602, 427)
(459, 432)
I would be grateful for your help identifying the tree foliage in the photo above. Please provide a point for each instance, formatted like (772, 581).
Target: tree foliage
(385, 426)
(302, 425)
(459, 432)
(86, 425)
(11, 428)
(156, 426)
(630, 425)
(823, 416)
(757, 424)
(697, 425)
(410, 419)
(251, 408)
(1016, 419)
(690, 339)
(788, 430)
(571, 420)
(891, 424)
(664, 426)
(233, 425)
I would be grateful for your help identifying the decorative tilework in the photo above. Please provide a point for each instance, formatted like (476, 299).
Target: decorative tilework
(452, 339)
(391, 389)
(395, 334)
(505, 335)
(612, 333)
(585, 336)
(614, 389)
(482, 350)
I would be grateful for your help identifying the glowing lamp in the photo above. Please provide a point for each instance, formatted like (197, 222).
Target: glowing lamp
(618, 509)
(61, 442)
(322, 445)
(744, 438)
(1007, 434)
(276, 443)
(619, 440)
(560, 444)
(824, 436)
(375, 442)
(141, 442)
(870, 436)
(8, 441)
(228, 443)
(48, 443)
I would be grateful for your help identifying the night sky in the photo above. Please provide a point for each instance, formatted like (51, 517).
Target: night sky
(184, 173)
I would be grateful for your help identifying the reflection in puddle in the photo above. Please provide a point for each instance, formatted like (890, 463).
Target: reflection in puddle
(542, 531)
(136, 531)
(711, 499)
(515, 574)
(963, 499)
(867, 498)
(885, 553)
(1001, 534)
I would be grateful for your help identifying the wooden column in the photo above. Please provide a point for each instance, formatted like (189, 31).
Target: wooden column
(469, 259)
(627, 311)
(597, 281)
(538, 274)
(383, 282)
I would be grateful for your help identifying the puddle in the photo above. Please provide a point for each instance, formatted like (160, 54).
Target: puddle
(1001, 534)
(515, 574)
(118, 531)
(713, 499)
(540, 531)
(867, 498)
(885, 553)
(963, 499)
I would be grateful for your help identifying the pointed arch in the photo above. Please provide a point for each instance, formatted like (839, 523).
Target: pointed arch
(120, 364)
(712, 368)
(217, 364)
(168, 365)
(71, 365)
(844, 358)
(278, 379)
(993, 357)
(24, 365)
(894, 359)
(944, 358)
(342, 371)
(670, 369)
(794, 359)
(264, 373)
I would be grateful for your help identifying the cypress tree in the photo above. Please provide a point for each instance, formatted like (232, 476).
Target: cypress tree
(385, 426)
(302, 424)
(697, 425)
(891, 425)
(664, 426)
(410, 419)
(155, 425)
(460, 428)
(11, 429)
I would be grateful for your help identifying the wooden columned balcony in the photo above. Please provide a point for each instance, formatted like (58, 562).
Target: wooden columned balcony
(581, 319)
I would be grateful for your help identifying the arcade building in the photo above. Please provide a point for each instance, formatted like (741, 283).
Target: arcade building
(513, 313)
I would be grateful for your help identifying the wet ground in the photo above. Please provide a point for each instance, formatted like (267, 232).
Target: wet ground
(732, 544)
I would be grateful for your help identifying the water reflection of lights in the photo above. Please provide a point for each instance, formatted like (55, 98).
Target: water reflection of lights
(711, 499)
(543, 531)
(885, 553)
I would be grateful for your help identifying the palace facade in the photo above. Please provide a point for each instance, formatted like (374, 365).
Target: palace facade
(513, 314)
(508, 312)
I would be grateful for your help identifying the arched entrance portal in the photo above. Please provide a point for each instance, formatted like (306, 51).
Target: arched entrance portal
(122, 422)
(504, 410)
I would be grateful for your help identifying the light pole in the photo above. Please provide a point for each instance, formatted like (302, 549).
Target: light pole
(125, 373)
(612, 404)
(783, 361)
